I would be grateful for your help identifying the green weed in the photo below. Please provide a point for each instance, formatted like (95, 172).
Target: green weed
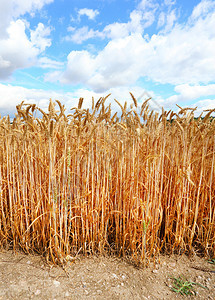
(184, 287)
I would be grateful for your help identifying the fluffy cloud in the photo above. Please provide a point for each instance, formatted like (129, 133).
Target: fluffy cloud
(39, 37)
(13, 9)
(79, 67)
(140, 18)
(17, 51)
(169, 2)
(147, 4)
(167, 20)
(161, 19)
(107, 69)
(82, 34)
(195, 91)
(179, 54)
(117, 64)
(112, 31)
(90, 13)
(202, 9)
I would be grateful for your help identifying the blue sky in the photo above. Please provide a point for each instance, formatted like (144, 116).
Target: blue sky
(66, 49)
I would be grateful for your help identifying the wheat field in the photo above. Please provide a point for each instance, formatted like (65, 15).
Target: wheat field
(134, 184)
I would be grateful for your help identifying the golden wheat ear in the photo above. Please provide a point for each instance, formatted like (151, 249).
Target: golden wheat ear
(134, 99)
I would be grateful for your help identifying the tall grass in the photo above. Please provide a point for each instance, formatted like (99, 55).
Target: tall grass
(137, 184)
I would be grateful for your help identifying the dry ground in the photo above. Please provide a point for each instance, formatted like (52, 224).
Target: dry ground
(30, 277)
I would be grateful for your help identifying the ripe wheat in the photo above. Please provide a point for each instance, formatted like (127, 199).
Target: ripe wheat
(91, 182)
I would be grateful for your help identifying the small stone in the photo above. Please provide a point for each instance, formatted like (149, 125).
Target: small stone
(56, 283)
(144, 289)
(67, 294)
(37, 292)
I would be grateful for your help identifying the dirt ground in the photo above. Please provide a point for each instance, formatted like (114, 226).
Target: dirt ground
(30, 277)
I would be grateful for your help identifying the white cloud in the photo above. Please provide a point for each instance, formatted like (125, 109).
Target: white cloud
(112, 31)
(184, 54)
(190, 94)
(20, 7)
(116, 30)
(195, 91)
(147, 4)
(170, 20)
(117, 64)
(107, 69)
(169, 2)
(4, 63)
(17, 51)
(161, 19)
(90, 13)
(71, 29)
(82, 34)
(80, 67)
(140, 18)
(202, 9)
(47, 63)
(53, 76)
(39, 37)
(11, 10)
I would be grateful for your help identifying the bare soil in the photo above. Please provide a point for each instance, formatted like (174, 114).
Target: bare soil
(30, 277)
